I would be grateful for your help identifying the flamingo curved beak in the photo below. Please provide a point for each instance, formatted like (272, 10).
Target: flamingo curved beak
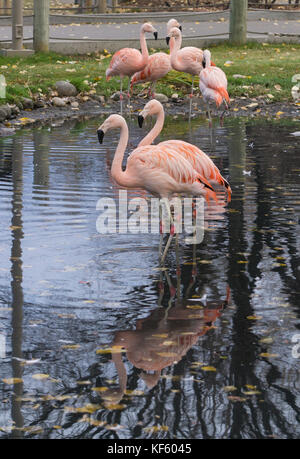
(140, 120)
(100, 135)
(180, 28)
(155, 35)
(168, 40)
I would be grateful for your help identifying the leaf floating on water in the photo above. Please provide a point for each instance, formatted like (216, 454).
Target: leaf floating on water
(252, 392)
(111, 350)
(92, 421)
(89, 408)
(71, 346)
(198, 364)
(267, 340)
(66, 316)
(13, 228)
(268, 355)
(100, 389)
(134, 393)
(12, 380)
(229, 388)
(208, 368)
(154, 429)
(40, 376)
(254, 317)
(114, 406)
(236, 398)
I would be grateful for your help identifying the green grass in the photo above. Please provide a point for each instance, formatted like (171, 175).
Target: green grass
(268, 70)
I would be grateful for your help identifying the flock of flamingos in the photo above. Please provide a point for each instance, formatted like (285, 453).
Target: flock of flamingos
(172, 167)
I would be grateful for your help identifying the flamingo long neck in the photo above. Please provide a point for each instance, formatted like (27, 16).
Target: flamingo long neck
(120, 176)
(171, 44)
(207, 61)
(155, 131)
(175, 62)
(144, 48)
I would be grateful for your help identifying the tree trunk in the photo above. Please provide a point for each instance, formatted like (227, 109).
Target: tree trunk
(238, 21)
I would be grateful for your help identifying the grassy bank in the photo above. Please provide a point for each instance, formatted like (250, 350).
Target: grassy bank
(266, 69)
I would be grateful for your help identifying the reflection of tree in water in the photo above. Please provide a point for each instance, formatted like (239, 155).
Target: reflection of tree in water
(255, 420)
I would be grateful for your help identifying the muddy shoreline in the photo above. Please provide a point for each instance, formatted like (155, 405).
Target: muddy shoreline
(240, 107)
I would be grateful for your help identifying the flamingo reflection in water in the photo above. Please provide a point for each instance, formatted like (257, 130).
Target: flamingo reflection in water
(165, 336)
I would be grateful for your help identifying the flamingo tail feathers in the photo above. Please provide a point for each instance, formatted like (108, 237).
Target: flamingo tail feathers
(223, 92)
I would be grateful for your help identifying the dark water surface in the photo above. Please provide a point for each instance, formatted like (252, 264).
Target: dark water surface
(97, 342)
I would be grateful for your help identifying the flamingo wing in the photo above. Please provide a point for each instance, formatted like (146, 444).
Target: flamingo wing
(158, 66)
(126, 61)
(200, 162)
(214, 78)
(192, 58)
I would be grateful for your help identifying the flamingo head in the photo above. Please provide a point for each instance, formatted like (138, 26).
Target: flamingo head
(174, 32)
(206, 59)
(147, 27)
(112, 122)
(173, 23)
(153, 107)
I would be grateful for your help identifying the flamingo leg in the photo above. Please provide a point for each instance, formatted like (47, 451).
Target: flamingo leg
(226, 108)
(166, 201)
(209, 115)
(128, 95)
(191, 98)
(121, 96)
(160, 231)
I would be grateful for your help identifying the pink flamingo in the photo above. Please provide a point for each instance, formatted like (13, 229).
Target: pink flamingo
(158, 65)
(156, 169)
(213, 83)
(196, 157)
(128, 61)
(188, 59)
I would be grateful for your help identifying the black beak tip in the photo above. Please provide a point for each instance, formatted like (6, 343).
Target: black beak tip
(167, 40)
(140, 120)
(100, 135)
(180, 28)
(155, 35)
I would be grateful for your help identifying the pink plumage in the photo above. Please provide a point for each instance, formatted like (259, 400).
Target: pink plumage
(199, 161)
(213, 82)
(128, 61)
(158, 65)
(188, 59)
(157, 169)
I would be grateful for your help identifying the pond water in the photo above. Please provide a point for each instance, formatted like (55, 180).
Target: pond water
(96, 341)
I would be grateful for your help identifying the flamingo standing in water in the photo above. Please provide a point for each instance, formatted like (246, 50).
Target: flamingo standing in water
(156, 169)
(196, 157)
(158, 65)
(128, 61)
(213, 83)
(188, 59)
